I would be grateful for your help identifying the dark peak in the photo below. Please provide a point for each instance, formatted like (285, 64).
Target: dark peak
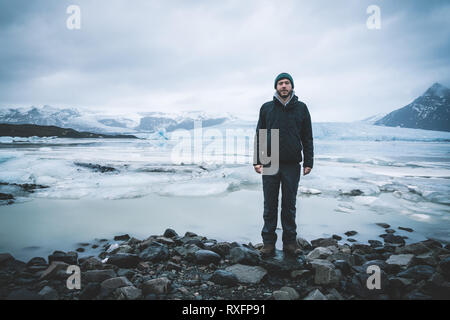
(437, 89)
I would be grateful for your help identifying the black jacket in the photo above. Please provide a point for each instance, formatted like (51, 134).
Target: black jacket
(294, 124)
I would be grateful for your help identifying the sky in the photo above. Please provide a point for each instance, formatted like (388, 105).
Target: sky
(222, 56)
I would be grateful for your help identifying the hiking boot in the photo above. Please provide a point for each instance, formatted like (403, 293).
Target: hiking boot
(292, 249)
(267, 250)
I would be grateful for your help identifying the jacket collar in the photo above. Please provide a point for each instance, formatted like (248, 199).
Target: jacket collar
(293, 99)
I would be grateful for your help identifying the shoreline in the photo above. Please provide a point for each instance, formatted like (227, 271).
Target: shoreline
(193, 267)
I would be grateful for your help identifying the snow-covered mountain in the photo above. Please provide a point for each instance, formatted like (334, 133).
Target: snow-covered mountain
(430, 111)
(85, 120)
(374, 118)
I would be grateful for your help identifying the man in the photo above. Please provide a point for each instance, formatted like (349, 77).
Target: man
(291, 117)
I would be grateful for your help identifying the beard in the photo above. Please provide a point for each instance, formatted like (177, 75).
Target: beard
(284, 95)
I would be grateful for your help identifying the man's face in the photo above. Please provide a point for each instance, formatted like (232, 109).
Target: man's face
(284, 88)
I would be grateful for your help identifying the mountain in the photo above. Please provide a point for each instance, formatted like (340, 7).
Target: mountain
(373, 119)
(430, 111)
(66, 118)
(111, 124)
(33, 130)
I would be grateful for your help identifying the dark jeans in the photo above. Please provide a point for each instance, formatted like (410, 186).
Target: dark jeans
(288, 176)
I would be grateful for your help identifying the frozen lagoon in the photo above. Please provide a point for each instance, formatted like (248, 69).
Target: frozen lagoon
(401, 178)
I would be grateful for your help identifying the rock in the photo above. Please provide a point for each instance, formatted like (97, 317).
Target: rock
(224, 277)
(52, 271)
(406, 229)
(421, 272)
(124, 249)
(23, 294)
(444, 267)
(5, 257)
(425, 258)
(243, 255)
(206, 257)
(360, 248)
(124, 260)
(128, 293)
(324, 242)
(90, 291)
(336, 237)
(170, 233)
(187, 251)
(430, 243)
(48, 293)
(156, 286)
(390, 238)
(351, 240)
(37, 261)
(304, 244)
(221, 248)
(375, 243)
(247, 274)
(413, 248)
(123, 237)
(91, 263)
(400, 259)
(98, 275)
(166, 241)
(389, 231)
(109, 285)
(190, 234)
(292, 293)
(325, 272)
(283, 266)
(343, 265)
(300, 274)
(350, 233)
(383, 225)
(334, 295)
(315, 295)
(416, 295)
(69, 257)
(281, 295)
(319, 253)
(155, 252)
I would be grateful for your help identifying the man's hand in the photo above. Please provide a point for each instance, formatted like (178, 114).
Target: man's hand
(258, 168)
(306, 170)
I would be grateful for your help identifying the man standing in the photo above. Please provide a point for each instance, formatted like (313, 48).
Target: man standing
(291, 117)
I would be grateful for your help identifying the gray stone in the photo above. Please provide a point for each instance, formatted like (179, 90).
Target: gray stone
(98, 275)
(156, 286)
(247, 274)
(325, 272)
(123, 237)
(128, 293)
(350, 233)
(400, 259)
(315, 295)
(243, 255)
(69, 257)
(304, 244)
(23, 294)
(155, 252)
(123, 260)
(91, 263)
(170, 233)
(292, 293)
(206, 257)
(281, 295)
(48, 293)
(413, 248)
(383, 225)
(324, 242)
(319, 253)
(421, 272)
(114, 283)
(223, 277)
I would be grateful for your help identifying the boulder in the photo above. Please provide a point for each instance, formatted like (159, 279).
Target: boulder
(247, 274)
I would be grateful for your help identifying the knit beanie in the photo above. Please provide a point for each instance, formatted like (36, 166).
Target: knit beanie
(284, 75)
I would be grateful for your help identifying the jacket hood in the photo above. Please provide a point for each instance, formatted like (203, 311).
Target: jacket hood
(289, 103)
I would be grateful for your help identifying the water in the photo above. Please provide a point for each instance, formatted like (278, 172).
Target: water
(401, 182)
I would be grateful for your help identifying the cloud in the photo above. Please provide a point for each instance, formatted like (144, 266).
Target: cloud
(180, 55)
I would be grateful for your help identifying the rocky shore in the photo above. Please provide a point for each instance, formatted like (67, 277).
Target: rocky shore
(192, 267)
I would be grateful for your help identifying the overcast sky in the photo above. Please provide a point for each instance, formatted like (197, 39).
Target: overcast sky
(132, 56)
